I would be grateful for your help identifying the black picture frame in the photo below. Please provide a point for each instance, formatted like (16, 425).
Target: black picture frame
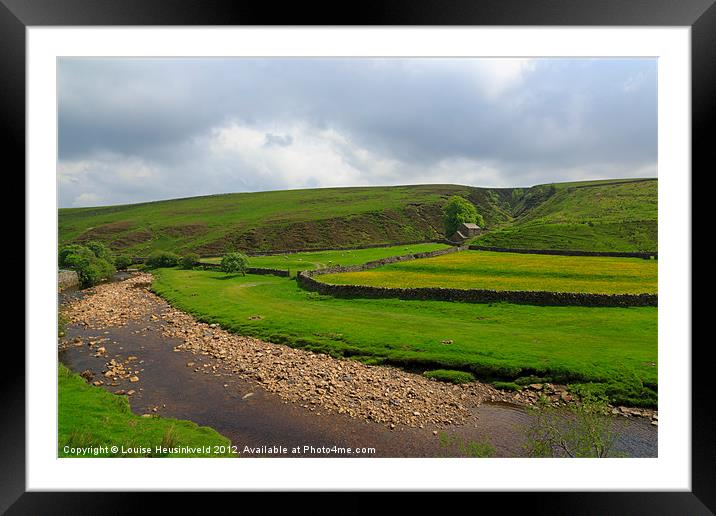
(700, 15)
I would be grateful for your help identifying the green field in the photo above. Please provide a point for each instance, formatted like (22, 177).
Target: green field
(92, 417)
(613, 348)
(320, 259)
(604, 215)
(512, 271)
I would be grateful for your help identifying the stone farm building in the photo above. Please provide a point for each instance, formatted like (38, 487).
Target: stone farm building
(464, 231)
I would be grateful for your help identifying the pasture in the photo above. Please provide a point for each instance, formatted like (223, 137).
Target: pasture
(321, 259)
(613, 350)
(512, 271)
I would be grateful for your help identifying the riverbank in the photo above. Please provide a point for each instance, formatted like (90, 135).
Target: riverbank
(130, 339)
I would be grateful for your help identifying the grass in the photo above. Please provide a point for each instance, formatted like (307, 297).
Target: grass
(512, 271)
(321, 259)
(90, 417)
(591, 216)
(288, 219)
(611, 348)
(595, 215)
(448, 375)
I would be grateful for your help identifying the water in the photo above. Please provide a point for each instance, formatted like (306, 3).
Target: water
(219, 400)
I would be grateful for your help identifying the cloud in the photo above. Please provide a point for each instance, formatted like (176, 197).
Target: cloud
(139, 129)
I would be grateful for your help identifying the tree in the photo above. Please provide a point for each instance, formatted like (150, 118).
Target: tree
(457, 211)
(234, 263)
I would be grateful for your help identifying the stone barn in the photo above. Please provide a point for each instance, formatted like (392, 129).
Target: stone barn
(464, 231)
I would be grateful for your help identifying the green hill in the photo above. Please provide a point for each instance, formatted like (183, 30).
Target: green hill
(592, 216)
(596, 215)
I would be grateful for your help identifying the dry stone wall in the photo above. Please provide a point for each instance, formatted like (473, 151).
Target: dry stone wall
(560, 252)
(309, 280)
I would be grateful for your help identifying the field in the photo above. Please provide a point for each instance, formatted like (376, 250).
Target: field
(320, 259)
(105, 419)
(613, 348)
(512, 271)
(598, 215)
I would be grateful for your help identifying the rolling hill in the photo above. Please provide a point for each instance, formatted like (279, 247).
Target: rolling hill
(603, 215)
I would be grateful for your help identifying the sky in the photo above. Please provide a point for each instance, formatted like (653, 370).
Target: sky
(135, 130)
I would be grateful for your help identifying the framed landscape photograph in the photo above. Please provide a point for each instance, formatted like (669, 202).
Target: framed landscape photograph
(363, 258)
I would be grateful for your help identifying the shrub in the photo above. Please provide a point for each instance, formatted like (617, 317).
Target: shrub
(90, 268)
(189, 260)
(100, 251)
(160, 259)
(121, 262)
(234, 263)
(586, 430)
(448, 375)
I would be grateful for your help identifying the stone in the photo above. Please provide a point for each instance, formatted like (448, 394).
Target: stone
(133, 379)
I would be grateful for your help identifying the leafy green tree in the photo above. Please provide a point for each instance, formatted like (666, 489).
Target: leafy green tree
(234, 263)
(459, 210)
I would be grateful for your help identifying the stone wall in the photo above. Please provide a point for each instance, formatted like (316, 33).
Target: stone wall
(249, 270)
(308, 280)
(560, 252)
(67, 279)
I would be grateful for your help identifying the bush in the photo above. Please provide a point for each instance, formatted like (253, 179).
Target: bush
(100, 251)
(90, 268)
(586, 430)
(121, 262)
(448, 375)
(189, 260)
(234, 263)
(160, 259)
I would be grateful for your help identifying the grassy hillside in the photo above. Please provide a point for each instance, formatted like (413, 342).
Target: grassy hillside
(602, 215)
(592, 216)
(289, 219)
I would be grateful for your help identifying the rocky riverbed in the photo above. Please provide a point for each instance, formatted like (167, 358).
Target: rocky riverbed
(304, 382)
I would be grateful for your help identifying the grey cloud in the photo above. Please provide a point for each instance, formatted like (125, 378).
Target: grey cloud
(595, 115)
(278, 140)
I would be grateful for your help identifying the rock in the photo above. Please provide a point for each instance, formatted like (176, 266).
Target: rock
(133, 379)
(190, 364)
(247, 395)
(446, 342)
(87, 375)
(130, 392)
(120, 391)
(536, 386)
